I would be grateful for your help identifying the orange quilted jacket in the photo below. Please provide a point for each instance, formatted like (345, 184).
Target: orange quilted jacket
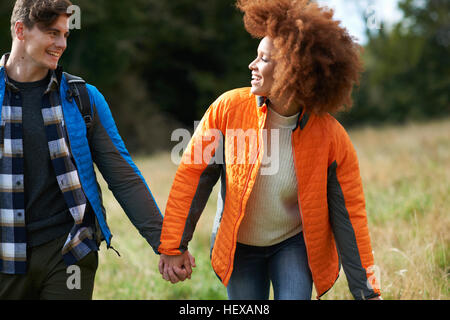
(227, 144)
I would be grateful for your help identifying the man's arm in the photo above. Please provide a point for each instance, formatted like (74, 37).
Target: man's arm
(121, 174)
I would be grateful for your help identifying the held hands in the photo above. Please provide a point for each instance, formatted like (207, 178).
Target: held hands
(176, 268)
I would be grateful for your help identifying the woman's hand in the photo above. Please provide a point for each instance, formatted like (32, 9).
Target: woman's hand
(176, 268)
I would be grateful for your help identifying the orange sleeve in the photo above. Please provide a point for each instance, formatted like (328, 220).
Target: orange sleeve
(348, 215)
(193, 183)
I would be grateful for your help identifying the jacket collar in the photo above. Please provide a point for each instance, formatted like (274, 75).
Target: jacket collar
(3, 59)
(302, 118)
(260, 100)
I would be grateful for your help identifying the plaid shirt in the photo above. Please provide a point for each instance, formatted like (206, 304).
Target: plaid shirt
(12, 204)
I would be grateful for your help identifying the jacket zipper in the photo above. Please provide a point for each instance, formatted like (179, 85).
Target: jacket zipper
(298, 200)
(240, 214)
(242, 200)
(69, 145)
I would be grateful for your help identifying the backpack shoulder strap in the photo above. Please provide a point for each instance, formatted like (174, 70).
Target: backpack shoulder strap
(79, 91)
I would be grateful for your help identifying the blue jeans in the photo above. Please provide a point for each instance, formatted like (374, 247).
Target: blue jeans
(284, 264)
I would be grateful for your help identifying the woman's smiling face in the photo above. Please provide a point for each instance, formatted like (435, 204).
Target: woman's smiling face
(263, 68)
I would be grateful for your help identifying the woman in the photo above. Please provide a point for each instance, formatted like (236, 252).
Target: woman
(291, 207)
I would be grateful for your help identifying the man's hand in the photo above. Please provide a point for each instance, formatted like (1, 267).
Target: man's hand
(176, 268)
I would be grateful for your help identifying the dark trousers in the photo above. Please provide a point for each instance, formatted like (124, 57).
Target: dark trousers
(49, 278)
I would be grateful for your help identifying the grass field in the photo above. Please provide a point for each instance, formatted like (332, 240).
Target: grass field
(406, 176)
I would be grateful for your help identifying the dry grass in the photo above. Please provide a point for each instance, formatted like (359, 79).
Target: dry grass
(406, 176)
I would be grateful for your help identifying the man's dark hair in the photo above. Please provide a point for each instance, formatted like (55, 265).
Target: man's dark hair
(42, 13)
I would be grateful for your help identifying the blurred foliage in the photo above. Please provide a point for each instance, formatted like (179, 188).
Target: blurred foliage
(160, 64)
(407, 68)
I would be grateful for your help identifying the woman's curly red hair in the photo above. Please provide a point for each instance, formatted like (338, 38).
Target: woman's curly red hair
(317, 61)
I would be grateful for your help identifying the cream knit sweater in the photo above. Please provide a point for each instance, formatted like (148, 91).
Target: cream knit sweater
(272, 213)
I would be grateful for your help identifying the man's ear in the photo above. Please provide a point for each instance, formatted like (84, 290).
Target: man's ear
(19, 30)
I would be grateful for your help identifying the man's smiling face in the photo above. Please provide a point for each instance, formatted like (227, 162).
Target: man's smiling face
(44, 45)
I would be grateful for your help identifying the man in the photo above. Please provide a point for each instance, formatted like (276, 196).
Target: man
(50, 205)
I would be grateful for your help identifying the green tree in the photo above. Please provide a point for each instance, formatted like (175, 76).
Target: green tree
(407, 68)
(193, 51)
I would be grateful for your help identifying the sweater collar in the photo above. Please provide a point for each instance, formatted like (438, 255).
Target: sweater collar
(303, 116)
